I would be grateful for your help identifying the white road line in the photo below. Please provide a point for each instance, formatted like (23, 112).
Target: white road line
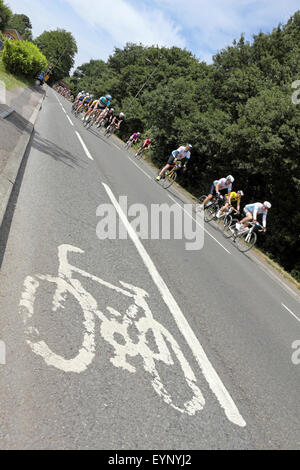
(206, 231)
(134, 163)
(70, 121)
(206, 367)
(291, 312)
(84, 146)
(116, 146)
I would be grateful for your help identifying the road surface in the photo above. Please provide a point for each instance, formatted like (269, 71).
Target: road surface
(132, 343)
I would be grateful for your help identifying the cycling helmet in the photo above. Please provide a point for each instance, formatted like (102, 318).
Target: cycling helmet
(122, 115)
(230, 178)
(83, 92)
(87, 95)
(190, 146)
(267, 204)
(108, 97)
(240, 192)
(138, 133)
(112, 109)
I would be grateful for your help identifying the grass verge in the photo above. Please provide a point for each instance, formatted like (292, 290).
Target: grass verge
(11, 81)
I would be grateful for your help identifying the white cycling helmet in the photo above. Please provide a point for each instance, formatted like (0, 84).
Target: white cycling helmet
(190, 146)
(267, 204)
(230, 178)
(122, 115)
(240, 192)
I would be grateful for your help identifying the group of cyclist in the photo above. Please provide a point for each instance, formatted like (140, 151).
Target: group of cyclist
(64, 92)
(100, 109)
(220, 189)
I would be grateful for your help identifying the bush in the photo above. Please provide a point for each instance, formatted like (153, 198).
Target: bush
(23, 58)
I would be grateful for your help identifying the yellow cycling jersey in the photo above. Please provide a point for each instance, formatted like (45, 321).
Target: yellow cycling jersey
(234, 196)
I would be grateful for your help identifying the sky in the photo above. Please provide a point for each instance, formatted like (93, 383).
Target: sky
(201, 26)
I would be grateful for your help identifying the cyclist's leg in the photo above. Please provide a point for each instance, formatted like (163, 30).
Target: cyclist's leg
(244, 222)
(212, 192)
(168, 165)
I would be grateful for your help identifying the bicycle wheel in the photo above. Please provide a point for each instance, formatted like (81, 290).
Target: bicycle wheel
(197, 206)
(229, 229)
(227, 220)
(246, 241)
(169, 179)
(140, 154)
(210, 212)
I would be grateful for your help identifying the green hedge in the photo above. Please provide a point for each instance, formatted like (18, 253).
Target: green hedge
(23, 58)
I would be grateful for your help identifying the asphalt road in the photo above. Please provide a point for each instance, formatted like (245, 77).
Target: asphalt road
(130, 343)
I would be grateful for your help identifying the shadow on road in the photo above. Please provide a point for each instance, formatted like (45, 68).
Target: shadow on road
(58, 153)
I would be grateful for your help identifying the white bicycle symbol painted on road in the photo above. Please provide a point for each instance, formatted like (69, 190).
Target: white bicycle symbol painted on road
(112, 327)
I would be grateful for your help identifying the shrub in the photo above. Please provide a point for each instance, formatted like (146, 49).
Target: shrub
(23, 58)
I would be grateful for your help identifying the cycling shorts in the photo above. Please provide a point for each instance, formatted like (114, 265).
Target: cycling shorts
(171, 160)
(214, 193)
(247, 212)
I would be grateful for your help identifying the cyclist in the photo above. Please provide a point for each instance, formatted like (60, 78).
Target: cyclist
(234, 197)
(107, 116)
(134, 137)
(219, 187)
(146, 145)
(80, 96)
(251, 211)
(117, 121)
(92, 104)
(99, 107)
(87, 101)
(182, 153)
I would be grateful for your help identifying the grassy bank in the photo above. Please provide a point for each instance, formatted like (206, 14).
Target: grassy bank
(12, 81)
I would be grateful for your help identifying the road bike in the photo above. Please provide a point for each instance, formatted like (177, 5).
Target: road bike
(129, 144)
(227, 217)
(133, 333)
(140, 153)
(110, 130)
(170, 176)
(90, 121)
(244, 239)
(211, 210)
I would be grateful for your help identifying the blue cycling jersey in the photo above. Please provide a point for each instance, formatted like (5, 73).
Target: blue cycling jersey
(103, 102)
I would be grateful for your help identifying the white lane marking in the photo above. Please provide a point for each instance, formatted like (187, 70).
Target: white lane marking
(70, 121)
(206, 231)
(116, 146)
(291, 312)
(148, 176)
(206, 367)
(84, 146)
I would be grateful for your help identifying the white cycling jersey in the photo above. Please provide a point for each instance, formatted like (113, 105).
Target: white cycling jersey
(257, 208)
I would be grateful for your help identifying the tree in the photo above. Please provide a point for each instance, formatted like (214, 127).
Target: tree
(59, 47)
(5, 15)
(22, 24)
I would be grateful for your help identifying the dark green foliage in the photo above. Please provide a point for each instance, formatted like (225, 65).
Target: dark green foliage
(237, 113)
(59, 47)
(5, 15)
(23, 58)
(22, 24)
